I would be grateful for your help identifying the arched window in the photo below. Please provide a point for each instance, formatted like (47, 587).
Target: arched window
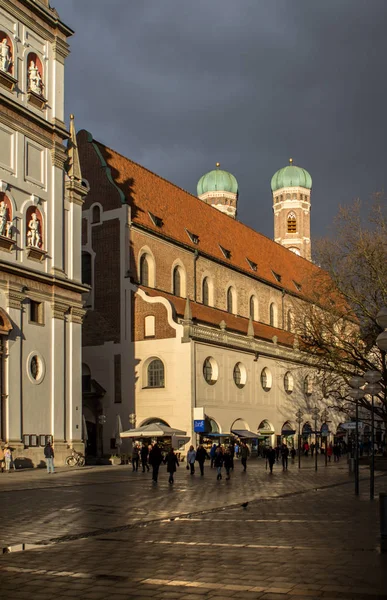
(96, 214)
(253, 308)
(273, 315)
(230, 303)
(144, 270)
(205, 292)
(155, 374)
(288, 382)
(86, 268)
(177, 281)
(292, 223)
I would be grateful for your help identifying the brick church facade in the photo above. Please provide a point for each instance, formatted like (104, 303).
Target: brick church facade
(190, 313)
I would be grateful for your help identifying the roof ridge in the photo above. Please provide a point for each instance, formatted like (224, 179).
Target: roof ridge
(241, 223)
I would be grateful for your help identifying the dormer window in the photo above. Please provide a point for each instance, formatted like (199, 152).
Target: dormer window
(253, 266)
(226, 253)
(193, 237)
(157, 221)
(298, 286)
(277, 276)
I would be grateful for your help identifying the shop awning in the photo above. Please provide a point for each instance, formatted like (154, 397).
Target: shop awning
(287, 432)
(245, 434)
(265, 432)
(215, 435)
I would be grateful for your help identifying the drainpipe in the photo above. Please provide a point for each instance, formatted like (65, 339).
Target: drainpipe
(196, 256)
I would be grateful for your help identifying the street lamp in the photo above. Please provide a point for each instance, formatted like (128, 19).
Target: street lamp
(373, 388)
(299, 417)
(324, 419)
(356, 382)
(315, 414)
(132, 419)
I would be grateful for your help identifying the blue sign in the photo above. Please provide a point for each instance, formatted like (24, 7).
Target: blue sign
(199, 426)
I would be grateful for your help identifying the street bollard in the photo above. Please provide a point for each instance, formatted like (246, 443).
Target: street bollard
(383, 521)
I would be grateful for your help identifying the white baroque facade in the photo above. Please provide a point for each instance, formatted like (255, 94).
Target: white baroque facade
(40, 253)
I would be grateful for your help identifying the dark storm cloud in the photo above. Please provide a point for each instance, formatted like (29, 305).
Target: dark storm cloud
(178, 85)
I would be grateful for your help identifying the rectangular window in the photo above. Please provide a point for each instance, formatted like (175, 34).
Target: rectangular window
(117, 378)
(36, 312)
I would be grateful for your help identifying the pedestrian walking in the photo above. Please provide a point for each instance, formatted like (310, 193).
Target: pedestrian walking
(135, 457)
(49, 456)
(306, 449)
(2, 461)
(271, 457)
(191, 457)
(218, 462)
(212, 455)
(144, 457)
(236, 450)
(277, 452)
(227, 461)
(155, 460)
(312, 448)
(284, 456)
(245, 453)
(172, 462)
(231, 449)
(201, 455)
(329, 452)
(293, 454)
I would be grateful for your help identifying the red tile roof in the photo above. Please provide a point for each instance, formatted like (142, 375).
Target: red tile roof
(213, 316)
(180, 210)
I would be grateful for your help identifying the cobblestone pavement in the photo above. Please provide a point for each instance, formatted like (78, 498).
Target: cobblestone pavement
(302, 535)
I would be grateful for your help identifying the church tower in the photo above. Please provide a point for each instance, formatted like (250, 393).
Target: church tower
(291, 188)
(41, 197)
(220, 189)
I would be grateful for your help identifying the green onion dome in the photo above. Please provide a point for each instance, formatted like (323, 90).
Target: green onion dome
(217, 181)
(291, 176)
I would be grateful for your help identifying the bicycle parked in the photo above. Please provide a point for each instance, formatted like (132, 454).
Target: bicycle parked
(75, 460)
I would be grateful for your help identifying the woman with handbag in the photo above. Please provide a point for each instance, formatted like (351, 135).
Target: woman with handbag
(191, 457)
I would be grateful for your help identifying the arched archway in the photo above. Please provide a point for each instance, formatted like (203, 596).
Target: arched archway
(239, 423)
(154, 421)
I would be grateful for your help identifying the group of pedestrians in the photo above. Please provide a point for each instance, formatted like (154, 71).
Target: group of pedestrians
(5, 458)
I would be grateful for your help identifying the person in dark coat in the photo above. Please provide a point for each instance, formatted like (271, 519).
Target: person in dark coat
(227, 461)
(232, 454)
(49, 456)
(285, 456)
(218, 462)
(172, 463)
(245, 452)
(271, 456)
(155, 460)
(212, 455)
(201, 455)
(144, 457)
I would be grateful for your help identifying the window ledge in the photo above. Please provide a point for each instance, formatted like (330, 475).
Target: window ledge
(36, 254)
(154, 387)
(7, 243)
(7, 81)
(36, 99)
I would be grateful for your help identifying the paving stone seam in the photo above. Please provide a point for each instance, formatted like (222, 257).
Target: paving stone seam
(288, 588)
(145, 523)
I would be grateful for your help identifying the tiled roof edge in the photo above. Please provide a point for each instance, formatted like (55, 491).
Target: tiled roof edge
(105, 166)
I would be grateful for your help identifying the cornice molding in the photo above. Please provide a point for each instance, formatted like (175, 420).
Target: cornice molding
(49, 17)
(59, 309)
(15, 296)
(51, 129)
(77, 314)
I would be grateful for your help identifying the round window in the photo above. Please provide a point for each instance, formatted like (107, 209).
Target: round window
(266, 379)
(210, 371)
(35, 367)
(240, 375)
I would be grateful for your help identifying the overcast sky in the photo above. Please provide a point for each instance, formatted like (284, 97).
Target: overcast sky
(177, 85)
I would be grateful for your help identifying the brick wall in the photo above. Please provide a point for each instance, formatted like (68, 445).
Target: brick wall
(141, 310)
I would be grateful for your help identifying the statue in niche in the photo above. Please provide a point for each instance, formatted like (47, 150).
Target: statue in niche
(34, 79)
(5, 57)
(33, 235)
(3, 218)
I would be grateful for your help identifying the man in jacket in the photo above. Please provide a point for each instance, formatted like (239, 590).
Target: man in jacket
(155, 460)
(172, 462)
(144, 457)
(49, 456)
(245, 452)
(201, 455)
